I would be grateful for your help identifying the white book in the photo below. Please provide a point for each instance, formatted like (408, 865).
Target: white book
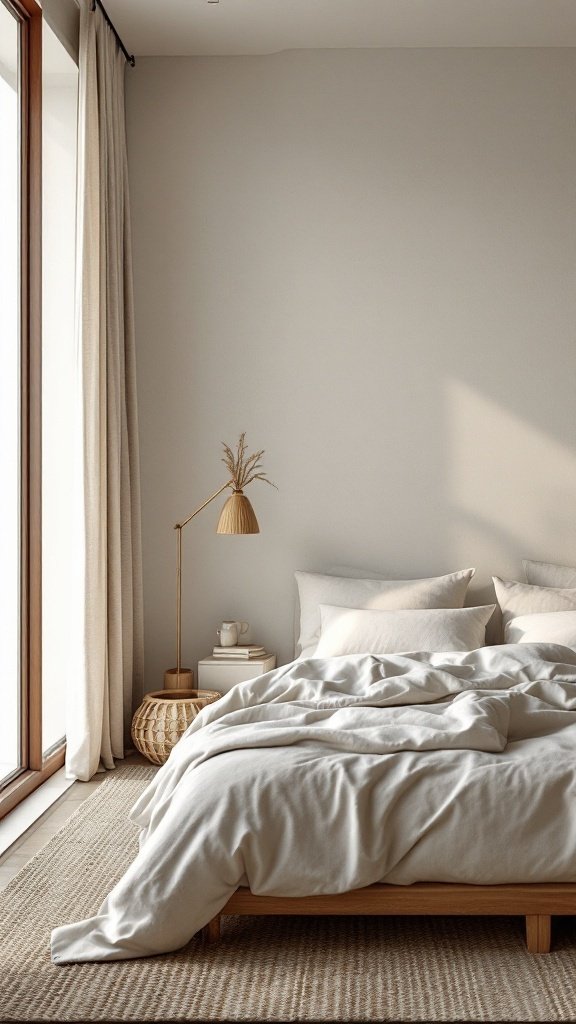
(230, 656)
(243, 650)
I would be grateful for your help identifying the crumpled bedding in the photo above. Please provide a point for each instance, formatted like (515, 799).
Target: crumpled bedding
(330, 774)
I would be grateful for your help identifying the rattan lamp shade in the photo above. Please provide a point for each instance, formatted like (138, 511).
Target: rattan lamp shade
(237, 516)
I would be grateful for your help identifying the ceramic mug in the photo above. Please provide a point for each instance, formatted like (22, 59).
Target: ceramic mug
(230, 631)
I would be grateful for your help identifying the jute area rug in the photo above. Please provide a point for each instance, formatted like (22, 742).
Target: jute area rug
(264, 969)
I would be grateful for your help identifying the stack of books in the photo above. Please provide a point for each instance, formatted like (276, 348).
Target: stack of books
(241, 652)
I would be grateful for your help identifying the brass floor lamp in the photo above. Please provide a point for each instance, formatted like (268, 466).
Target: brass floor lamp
(237, 517)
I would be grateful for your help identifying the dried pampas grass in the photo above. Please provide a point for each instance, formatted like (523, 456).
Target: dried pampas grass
(244, 468)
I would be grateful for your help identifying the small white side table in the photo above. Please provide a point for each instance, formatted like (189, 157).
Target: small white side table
(223, 673)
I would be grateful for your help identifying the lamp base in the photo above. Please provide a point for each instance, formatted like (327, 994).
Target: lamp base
(183, 680)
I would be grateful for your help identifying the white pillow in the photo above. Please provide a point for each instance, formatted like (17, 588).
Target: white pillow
(348, 571)
(522, 599)
(316, 588)
(546, 574)
(370, 631)
(543, 627)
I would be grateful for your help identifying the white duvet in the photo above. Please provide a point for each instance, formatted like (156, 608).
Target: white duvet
(328, 775)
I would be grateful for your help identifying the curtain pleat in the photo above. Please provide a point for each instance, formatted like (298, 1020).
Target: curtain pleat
(101, 700)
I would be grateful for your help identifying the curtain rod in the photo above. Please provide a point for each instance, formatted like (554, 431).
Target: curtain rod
(129, 56)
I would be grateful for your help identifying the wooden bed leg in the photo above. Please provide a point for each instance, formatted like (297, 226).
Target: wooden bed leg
(211, 931)
(538, 931)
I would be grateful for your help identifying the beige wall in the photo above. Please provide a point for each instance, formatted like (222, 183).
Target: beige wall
(366, 259)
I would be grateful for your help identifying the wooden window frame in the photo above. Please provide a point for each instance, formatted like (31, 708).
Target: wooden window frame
(36, 769)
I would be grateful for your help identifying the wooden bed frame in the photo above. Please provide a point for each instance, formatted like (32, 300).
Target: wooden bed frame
(537, 902)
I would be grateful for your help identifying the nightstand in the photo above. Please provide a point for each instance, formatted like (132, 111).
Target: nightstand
(222, 674)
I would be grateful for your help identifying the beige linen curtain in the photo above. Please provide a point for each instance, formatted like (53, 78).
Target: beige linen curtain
(110, 670)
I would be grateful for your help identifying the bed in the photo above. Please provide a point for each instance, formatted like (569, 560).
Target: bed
(424, 783)
(536, 902)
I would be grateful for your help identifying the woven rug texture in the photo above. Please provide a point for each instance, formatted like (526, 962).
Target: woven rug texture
(263, 969)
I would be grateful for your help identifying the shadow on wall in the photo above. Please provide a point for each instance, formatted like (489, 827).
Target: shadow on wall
(510, 493)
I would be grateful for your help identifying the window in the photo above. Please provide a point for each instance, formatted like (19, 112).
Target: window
(11, 753)
(59, 405)
(38, 100)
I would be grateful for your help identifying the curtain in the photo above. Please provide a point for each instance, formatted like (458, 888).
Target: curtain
(109, 672)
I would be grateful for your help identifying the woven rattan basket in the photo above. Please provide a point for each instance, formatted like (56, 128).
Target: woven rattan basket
(163, 718)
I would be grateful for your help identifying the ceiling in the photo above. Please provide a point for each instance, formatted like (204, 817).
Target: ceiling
(183, 27)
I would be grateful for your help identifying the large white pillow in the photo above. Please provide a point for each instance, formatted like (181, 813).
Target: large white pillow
(348, 571)
(546, 574)
(374, 631)
(543, 627)
(316, 588)
(521, 599)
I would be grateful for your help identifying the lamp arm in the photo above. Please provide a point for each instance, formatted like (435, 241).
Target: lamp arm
(180, 526)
